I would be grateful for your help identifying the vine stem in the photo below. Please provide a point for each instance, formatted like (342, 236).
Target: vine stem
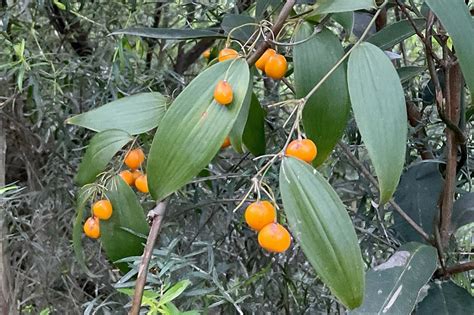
(155, 216)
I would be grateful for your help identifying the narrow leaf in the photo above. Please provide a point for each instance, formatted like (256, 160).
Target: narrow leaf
(446, 298)
(320, 223)
(408, 73)
(455, 17)
(332, 6)
(237, 130)
(378, 103)
(326, 112)
(174, 292)
(194, 127)
(254, 132)
(395, 33)
(119, 233)
(134, 114)
(102, 147)
(235, 21)
(393, 287)
(169, 33)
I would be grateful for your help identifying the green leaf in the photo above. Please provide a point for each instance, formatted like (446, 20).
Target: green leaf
(254, 132)
(379, 108)
(393, 287)
(408, 73)
(326, 112)
(194, 127)
(232, 21)
(175, 291)
(457, 20)
(446, 298)
(119, 233)
(333, 6)
(169, 33)
(346, 20)
(83, 197)
(321, 225)
(102, 148)
(263, 5)
(395, 33)
(463, 211)
(134, 114)
(237, 130)
(417, 194)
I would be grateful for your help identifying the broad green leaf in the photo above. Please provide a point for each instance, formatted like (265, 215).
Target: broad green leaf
(263, 5)
(194, 127)
(134, 114)
(102, 148)
(446, 298)
(237, 130)
(379, 108)
(175, 291)
(346, 20)
(254, 132)
(463, 211)
(457, 20)
(333, 6)
(326, 112)
(417, 194)
(119, 234)
(393, 287)
(395, 33)
(83, 197)
(321, 225)
(407, 73)
(242, 33)
(169, 33)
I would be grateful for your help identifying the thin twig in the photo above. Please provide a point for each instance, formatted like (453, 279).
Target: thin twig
(458, 268)
(156, 217)
(347, 152)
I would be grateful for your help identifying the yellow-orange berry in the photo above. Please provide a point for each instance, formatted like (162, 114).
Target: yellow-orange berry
(207, 53)
(274, 238)
(142, 183)
(102, 209)
(136, 174)
(276, 67)
(303, 149)
(223, 93)
(226, 143)
(134, 158)
(259, 214)
(92, 228)
(262, 61)
(227, 53)
(127, 176)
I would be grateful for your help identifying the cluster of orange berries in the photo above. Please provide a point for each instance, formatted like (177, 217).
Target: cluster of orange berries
(101, 210)
(272, 236)
(134, 159)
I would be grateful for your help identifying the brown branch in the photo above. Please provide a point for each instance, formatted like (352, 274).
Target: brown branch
(156, 217)
(280, 20)
(458, 268)
(347, 152)
(188, 58)
(151, 42)
(415, 120)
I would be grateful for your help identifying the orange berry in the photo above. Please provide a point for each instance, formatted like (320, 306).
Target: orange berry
(91, 227)
(207, 53)
(134, 158)
(262, 61)
(127, 176)
(259, 214)
(226, 143)
(303, 149)
(136, 174)
(102, 209)
(227, 53)
(142, 183)
(276, 67)
(274, 238)
(223, 93)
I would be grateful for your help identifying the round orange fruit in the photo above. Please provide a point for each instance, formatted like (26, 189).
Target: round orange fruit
(227, 53)
(134, 158)
(142, 183)
(276, 67)
(127, 176)
(259, 214)
(92, 228)
(223, 93)
(262, 61)
(274, 238)
(303, 149)
(102, 209)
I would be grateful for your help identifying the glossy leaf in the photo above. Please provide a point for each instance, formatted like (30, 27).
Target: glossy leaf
(455, 17)
(242, 33)
(169, 33)
(120, 234)
(102, 148)
(254, 132)
(326, 112)
(320, 223)
(194, 127)
(393, 287)
(409, 72)
(463, 211)
(134, 114)
(332, 6)
(395, 33)
(417, 194)
(378, 102)
(237, 130)
(446, 298)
